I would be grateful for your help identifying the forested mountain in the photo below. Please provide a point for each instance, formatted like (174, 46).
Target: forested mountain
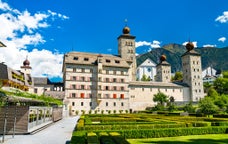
(211, 56)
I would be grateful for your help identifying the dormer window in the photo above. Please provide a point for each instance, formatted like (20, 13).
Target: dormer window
(75, 58)
(117, 61)
(86, 59)
(108, 61)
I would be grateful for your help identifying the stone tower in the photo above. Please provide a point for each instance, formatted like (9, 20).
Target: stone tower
(26, 69)
(126, 50)
(192, 72)
(163, 70)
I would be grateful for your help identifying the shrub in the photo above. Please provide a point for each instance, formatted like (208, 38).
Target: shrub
(105, 138)
(118, 138)
(78, 137)
(92, 138)
(152, 133)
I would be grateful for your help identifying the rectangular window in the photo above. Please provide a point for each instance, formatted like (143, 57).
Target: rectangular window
(82, 103)
(73, 95)
(122, 96)
(73, 86)
(86, 59)
(82, 95)
(122, 104)
(107, 79)
(142, 89)
(114, 104)
(122, 88)
(74, 78)
(74, 69)
(35, 90)
(82, 87)
(114, 88)
(99, 87)
(106, 88)
(106, 103)
(83, 70)
(90, 103)
(107, 71)
(114, 96)
(108, 61)
(117, 61)
(72, 103)
(114, 79)
(114, 72)
(122, 72)
(122, 80)
(150, 89)
(75, 58)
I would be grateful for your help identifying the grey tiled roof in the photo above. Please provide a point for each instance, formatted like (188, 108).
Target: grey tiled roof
(79, 58)
(155, 84)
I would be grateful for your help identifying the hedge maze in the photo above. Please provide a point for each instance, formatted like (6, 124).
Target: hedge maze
(115, 129)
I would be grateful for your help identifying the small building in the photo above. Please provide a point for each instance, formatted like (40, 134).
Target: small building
(15, 78)
(147, 68)
(42, 85)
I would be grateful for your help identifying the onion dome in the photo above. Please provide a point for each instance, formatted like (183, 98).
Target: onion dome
(126, 30)
(163, 58)
(189, 46)
(26, 62)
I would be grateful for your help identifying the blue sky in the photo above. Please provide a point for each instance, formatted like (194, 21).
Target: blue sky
(45, 30)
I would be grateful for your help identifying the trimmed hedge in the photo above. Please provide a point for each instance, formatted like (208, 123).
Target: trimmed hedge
(92, 138)
(78, 137)
(105, 138)
(136, 126)
(156, 133)
(118, 138)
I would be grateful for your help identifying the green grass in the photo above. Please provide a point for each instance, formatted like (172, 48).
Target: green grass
(193, 139)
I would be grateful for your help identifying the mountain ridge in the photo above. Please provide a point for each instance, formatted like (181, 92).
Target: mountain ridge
(210, 56)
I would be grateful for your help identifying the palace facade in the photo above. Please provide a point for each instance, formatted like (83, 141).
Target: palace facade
(101, 83)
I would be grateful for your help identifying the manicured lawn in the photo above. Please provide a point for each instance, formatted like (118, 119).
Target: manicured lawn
(193, 139)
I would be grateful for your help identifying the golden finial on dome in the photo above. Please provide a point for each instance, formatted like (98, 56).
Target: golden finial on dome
(189, 46)
(163, 58)
(126, 29)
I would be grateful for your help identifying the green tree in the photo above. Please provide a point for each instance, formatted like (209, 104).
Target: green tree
(206, 86)
(225, 74)
(145, 78)
(189, 108)
(207, 106)
(222, 101)
(212, 93)
(178, 76)
(161, 98)
(221, 85)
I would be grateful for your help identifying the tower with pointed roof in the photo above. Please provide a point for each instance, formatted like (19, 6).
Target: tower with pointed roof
(192, 72)
(163, 70)
(126, 50)
(26, 69)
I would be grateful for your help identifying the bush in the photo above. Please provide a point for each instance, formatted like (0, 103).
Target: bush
(118, 138)
(78, 137)
(105, 138)
(153, 133)
(92, 138)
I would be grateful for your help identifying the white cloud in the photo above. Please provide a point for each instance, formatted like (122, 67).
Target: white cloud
(222, 39)
(194, 43)
(154, 44)
(223, 18)
(209, 45)
(142, 43)
(19, 29)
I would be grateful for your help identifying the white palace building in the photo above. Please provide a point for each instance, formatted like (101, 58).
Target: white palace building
(107, 83)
